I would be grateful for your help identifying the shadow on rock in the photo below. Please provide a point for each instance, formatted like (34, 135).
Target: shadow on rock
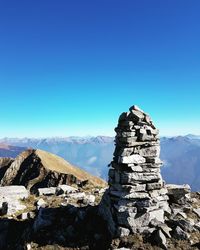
(67, 226)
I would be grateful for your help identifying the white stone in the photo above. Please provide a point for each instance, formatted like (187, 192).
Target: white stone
(17, 192)
(135, 159)
(12, 195)
(47, 191)
(41, 203)
(78, 196)
(197, 211)
(66, 189)
(90, 198)
(157, 214)
(122, 232)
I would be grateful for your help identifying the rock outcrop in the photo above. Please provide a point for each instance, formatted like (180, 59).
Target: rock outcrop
(37, 169)
(136, 189)
(137, 211)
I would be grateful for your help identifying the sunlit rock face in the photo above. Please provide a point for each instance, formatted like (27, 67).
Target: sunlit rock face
(136, 189)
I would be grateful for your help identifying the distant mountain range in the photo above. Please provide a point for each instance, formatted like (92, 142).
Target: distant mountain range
(181, 154)
(7, 150)
(93, 154)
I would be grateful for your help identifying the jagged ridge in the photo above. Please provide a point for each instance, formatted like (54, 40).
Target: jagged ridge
(38, 168)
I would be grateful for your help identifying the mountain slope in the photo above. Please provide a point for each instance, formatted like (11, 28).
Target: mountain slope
(93, 154)
(37, 168)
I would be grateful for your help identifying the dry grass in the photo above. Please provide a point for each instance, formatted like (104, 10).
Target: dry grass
(58, 164)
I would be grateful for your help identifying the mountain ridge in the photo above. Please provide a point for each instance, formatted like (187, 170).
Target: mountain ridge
(180, 154)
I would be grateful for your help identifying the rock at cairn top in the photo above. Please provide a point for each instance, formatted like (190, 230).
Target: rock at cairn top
(136, 188)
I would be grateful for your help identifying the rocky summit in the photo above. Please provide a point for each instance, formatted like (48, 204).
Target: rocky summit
(46, 203)
(136, 189)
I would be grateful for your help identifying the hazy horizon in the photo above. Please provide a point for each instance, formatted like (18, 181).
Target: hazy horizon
(84, 136)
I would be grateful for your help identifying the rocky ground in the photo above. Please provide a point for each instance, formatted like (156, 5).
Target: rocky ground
(46, 203)
(68, 217)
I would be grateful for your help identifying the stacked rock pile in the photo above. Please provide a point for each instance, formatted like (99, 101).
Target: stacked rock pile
(136, 189)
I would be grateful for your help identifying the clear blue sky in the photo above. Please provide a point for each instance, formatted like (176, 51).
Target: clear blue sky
(71, 67)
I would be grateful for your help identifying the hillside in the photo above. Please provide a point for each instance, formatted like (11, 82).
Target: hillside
(55, 163)
(37, 168)
(90, 153)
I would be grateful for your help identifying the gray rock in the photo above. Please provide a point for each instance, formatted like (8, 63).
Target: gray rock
(157, 214)
(23, 216)
(155, 185)
(128, 188)
(128, 178)
(178, 189)
(165, 229)
(41, 203)
(77, 196)
(122, 232)
(127, 195)
(179, 194)
(10, 199)
(197, 226)
(90, 198)
(65, 189)
(197, 211)
(16, 192)
(47, 191)
(179, 234)
(186, 225)
(4, 208)
(132, 159)
(126, 134)
(43, 220)
(136, 189)
(137, 115)
(150, 151)
(160, 239)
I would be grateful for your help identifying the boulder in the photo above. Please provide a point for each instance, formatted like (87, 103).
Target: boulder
(16, 192)
(179, 234)
(47, 191)
(178, 193)
(10, 199)
(66, 189)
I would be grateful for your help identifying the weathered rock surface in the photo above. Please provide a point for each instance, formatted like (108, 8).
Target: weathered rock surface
(134, 176)
(137, 211)
(10, 199)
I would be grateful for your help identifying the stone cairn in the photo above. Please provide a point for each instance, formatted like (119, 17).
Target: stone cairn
(136, 189)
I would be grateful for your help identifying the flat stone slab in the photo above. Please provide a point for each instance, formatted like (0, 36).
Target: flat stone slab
(16, 192)
(178, 189)
(47, 191)
(66, 189)
(134, 159)
(12, 195)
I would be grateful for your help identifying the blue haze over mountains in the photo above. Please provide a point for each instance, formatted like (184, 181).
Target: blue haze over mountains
(181, 154)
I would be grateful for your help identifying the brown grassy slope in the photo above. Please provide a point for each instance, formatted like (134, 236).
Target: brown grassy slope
(58, 164)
